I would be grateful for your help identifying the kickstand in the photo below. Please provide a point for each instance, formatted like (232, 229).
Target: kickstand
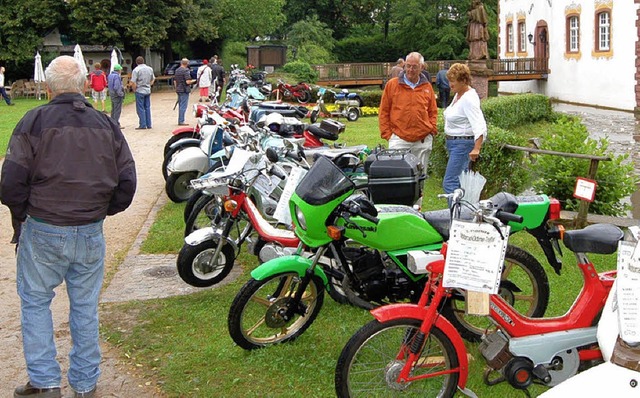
(492, 382)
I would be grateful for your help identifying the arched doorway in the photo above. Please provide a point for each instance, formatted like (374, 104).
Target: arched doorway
(541, 47)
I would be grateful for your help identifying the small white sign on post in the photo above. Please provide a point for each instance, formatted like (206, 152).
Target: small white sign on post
(585, 189)
(628, 291)
(474, 260)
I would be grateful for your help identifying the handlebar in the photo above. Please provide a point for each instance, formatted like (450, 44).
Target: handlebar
(505, 217)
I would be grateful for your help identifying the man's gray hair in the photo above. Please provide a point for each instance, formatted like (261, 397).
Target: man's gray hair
(184, 62)
(64, 75)
(418, 55)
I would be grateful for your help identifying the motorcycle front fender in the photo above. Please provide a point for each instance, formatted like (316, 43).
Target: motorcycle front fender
(203, 234)
(181, 130)
(185, 142)
(297, 264)
(188, 159)
(402, 311)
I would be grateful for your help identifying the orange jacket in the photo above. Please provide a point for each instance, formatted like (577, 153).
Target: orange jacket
(411, 114)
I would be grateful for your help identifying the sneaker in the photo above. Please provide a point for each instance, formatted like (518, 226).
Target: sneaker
(141, 128)
(11, 104)
(88, 394)
(29, 391)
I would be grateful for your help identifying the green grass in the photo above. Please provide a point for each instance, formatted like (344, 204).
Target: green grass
(183, 343)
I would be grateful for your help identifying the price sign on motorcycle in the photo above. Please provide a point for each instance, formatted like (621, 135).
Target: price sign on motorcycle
(475, 256)
(628, 291)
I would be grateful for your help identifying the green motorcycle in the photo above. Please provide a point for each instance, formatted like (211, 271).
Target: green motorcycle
(366, 255)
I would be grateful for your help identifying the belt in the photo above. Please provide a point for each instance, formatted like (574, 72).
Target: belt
(459, 137)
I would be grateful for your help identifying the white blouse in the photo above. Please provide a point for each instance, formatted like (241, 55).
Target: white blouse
(464, 116)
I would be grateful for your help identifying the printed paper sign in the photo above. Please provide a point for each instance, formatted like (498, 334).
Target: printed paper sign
(585, 189)
(475, 256)
(628, 291)
(282, 212)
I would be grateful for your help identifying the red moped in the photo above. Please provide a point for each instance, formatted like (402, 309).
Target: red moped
(301, 92)
(412, 349)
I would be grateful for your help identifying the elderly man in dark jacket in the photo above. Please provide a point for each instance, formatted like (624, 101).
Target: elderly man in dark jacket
(68, 166)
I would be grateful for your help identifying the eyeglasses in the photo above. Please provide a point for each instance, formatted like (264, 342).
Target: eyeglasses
(410, 66)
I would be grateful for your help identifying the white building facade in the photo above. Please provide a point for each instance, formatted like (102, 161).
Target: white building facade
(591, 48)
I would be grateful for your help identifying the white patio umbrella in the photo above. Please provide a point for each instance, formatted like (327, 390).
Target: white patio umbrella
(38, 74)
(77, 54)
(114, 59)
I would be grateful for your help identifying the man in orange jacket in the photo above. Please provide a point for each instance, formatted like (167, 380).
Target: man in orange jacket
(409, 111)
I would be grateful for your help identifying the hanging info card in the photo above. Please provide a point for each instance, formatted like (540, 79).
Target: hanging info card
(628, 291)
(475, 256)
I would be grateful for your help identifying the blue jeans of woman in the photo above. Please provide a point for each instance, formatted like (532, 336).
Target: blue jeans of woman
(143, 109)
(47, 256)
(183, 102)
(458, 162)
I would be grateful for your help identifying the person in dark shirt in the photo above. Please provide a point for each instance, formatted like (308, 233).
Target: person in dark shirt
(182, 81)
(67, 168)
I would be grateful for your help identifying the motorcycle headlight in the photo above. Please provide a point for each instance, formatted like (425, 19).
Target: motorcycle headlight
(300, 217)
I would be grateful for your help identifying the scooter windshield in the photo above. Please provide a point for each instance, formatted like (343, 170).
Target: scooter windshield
(323, 183)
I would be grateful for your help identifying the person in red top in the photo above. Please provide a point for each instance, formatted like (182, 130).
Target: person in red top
(409, 111)
(98, 84)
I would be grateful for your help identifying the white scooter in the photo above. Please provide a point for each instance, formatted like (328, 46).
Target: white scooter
(192, 161)
(619, 375)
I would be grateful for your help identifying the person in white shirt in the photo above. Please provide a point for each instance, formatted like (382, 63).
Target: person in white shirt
(3, 91)
(464, 126)
(204, 80)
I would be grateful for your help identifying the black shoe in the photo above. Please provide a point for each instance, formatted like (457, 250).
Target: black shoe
(141, 128)
(29, 391)
(88, 394)
(11, 104)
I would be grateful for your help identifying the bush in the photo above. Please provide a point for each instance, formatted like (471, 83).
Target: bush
(514, 110)
(302, 71)
(504, 169)
(557, 174)
(371, 98)
(367, 49)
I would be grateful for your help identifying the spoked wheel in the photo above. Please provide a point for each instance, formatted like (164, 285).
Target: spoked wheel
(524, 285)
(198, 267)
(373, 358)
(256, 317)
(178, 186)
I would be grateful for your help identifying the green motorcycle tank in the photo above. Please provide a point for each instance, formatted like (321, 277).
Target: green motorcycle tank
(400, 227)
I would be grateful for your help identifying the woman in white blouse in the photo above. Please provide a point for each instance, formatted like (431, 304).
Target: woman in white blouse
(464, 126)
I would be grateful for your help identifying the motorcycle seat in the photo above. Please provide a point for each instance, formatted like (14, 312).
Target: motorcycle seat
(596, 238)
(322, 133)
(440, 220)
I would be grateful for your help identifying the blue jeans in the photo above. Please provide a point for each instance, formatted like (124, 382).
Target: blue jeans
(143, 109)
(458, 162)
(183, 102)
(47, 256)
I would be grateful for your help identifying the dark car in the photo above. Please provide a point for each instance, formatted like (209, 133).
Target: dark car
(194, 64)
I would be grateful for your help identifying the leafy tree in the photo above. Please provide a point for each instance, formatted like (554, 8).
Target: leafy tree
(311, 31)
(248, 19)
(24, 24)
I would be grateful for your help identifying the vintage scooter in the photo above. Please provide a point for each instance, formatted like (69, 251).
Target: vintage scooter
(348, 106)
